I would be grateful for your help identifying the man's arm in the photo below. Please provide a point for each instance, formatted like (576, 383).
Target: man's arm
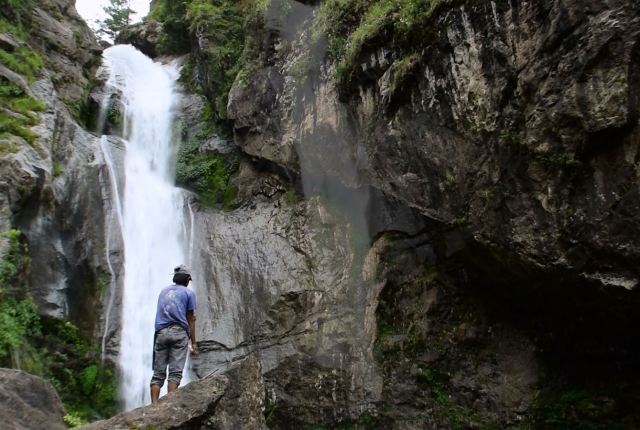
(191, 319)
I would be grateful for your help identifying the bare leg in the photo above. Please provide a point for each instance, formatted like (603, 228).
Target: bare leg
(172, 386)
(155, 393)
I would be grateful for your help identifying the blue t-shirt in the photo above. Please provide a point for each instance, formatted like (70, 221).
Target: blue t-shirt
(173, 303)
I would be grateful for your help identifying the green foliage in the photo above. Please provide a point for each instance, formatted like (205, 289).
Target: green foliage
(83, 110)
(73, 366)
(115, 118)
(18, 317)
(49, 347)
(175, 37)
(20, 323)
(17, 12)
(209, 174)
(118, 18)
(15, 262)
(74, 420)
(349, 26)
(88, 379)
(10, 125)
(486, 194)
(450, 181)
(157, 12)
(24, 107)
(23, 61)
(230, 26)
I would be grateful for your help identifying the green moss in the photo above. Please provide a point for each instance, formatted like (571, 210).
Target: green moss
(209, 174)
(115, 118)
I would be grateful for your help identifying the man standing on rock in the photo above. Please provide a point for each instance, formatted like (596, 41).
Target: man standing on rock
(175, 325)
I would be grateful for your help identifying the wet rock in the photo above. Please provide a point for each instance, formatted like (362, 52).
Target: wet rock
(29, 402)
(230, 401)
(144, 36)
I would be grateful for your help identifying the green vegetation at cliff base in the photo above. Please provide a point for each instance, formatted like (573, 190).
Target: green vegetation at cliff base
(50, 347)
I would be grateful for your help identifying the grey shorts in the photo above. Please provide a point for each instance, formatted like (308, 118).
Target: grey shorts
(170, 349)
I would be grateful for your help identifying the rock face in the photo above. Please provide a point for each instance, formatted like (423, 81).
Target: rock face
(71, 51)
(503, 163)
(28, 402)
(466, 248)
(515, 115)
(144, 36)
(230, 401)
(57, 191)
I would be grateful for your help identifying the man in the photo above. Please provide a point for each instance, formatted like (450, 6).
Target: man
(175, 325)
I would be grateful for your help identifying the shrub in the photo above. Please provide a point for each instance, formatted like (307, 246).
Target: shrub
(209, 174)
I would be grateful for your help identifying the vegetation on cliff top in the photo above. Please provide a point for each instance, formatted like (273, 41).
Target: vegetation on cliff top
(118, 17)
(349, 27)
(228, 26)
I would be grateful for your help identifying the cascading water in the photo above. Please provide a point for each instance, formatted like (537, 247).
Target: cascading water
(152, 209)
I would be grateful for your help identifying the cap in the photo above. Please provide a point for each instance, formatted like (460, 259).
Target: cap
(182, 269)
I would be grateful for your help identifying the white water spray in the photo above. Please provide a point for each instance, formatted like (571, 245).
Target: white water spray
(152, 209)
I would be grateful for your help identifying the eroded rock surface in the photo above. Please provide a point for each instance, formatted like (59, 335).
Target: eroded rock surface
(28, 402)
(511, 139)
(144, 36)
(229, 401)
(57, 191)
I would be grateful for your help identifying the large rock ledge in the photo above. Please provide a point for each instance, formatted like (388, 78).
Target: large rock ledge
(28, 402)
(230, 401)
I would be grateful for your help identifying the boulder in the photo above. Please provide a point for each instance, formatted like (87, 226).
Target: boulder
(143, 36)
(233, 400)
(28, 402)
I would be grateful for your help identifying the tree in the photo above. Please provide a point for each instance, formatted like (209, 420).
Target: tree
(118, 18)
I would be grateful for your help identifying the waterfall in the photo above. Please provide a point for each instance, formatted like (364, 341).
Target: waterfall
(152, 208)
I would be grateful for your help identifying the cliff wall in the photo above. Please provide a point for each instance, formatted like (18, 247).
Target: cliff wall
(466, 254)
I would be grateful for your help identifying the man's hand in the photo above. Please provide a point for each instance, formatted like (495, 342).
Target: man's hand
(194, 349)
